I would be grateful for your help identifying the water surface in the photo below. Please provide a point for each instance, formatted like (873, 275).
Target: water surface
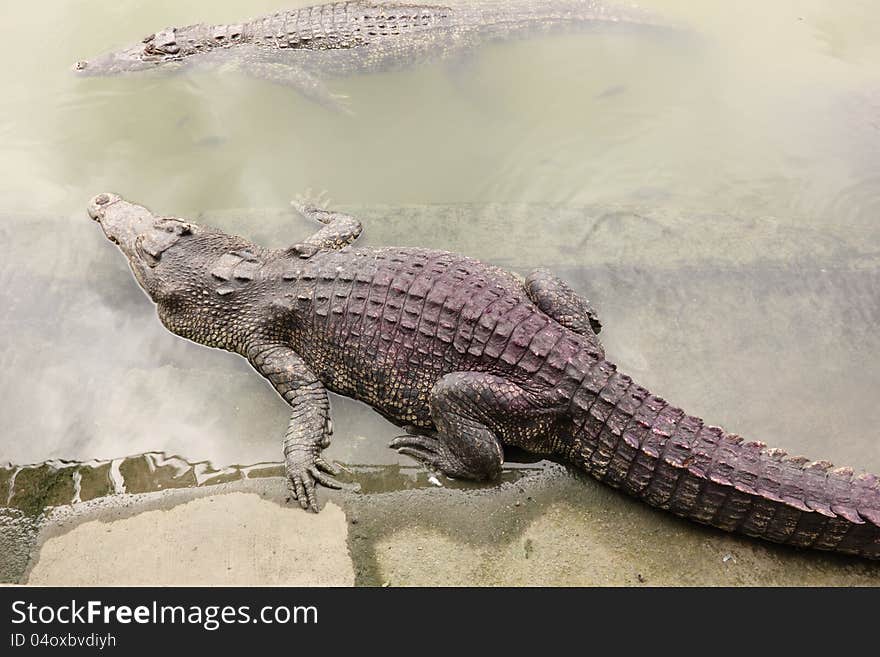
(715, 192)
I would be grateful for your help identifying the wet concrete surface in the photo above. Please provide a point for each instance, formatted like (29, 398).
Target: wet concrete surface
(561, 529)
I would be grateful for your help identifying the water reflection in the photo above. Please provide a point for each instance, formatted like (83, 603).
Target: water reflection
(38, 487)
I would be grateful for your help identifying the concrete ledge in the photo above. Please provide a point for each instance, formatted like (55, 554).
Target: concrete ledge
(235, 539)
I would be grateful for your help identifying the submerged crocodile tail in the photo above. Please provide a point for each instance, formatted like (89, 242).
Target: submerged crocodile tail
(636, 441)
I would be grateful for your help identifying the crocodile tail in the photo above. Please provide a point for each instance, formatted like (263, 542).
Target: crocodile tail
(633, 440)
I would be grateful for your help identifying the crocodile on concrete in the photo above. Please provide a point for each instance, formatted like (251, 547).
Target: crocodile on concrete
(472, 359)
(300, 47)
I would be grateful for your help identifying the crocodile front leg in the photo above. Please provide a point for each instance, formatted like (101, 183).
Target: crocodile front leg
(557, 299)
(474, 413)
(339, 229)
(256, 63)
(309, 429)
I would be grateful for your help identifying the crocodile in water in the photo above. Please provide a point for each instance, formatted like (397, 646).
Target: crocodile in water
(300, 47)
(472, 359)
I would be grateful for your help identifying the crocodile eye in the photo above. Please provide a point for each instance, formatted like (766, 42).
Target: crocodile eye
(149, 256)
(175, 226)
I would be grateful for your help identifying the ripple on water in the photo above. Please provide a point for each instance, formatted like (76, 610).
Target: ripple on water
(857, 202)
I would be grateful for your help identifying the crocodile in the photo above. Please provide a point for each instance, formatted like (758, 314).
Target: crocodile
(470, 359)
(299, 47)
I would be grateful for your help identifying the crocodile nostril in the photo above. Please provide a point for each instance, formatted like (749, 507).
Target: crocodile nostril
(81, 65)
(98, 205)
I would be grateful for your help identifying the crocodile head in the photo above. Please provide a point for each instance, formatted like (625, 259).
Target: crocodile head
(169, 45)
(180, 266)
(142, 236)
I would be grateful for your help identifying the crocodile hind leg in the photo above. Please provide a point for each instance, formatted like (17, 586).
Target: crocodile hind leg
(339, 230)
(474, 413)
(309, 429)
(557, 299)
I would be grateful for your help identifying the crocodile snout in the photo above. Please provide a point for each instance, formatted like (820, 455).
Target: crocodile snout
(81, 65)
(98, 205)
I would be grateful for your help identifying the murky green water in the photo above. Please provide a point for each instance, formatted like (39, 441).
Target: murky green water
(716, 193)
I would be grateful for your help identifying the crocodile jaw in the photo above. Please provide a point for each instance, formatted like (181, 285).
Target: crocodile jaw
(123, 61)
(123, 223)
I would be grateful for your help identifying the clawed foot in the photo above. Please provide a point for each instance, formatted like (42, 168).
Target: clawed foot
(304, 468)
(427, 449)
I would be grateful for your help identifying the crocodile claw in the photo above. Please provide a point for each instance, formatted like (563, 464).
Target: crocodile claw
(427, 449)
(303, 471)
